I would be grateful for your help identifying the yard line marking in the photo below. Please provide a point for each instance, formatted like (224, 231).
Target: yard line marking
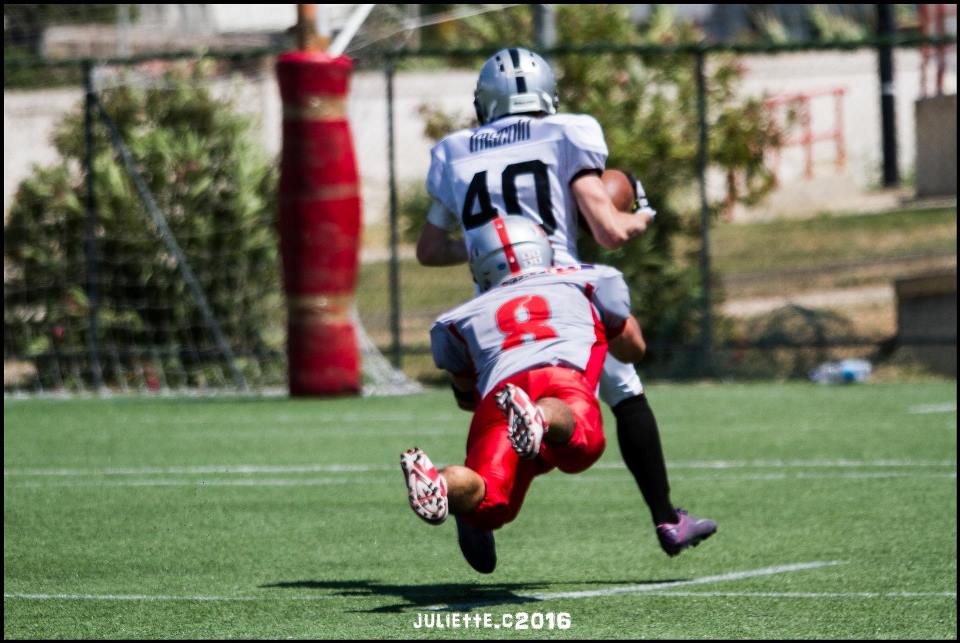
(791, 464)
(946, 407)
(204, 469)
(315, 421)
(161, 597)
(858, 475)
(800, 475)
(612, 591)
(646, 589)
(313, 482)
(309, 482)
(231, 469)
(327, 597)
(243, 482)
(808, 594)
(123, 597)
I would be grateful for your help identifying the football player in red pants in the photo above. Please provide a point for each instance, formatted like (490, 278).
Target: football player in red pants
(531, 349)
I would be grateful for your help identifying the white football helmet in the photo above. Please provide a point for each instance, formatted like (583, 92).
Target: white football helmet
(514, 81)
(507, 247)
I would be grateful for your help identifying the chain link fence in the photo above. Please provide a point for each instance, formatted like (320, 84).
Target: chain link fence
(161, 272)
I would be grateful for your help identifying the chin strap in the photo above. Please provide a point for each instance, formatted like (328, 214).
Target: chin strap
(476, 107)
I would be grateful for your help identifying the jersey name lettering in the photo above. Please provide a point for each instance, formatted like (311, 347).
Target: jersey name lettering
(519, 131)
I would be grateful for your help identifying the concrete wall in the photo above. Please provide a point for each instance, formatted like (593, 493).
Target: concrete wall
(936, 127)
(927, 310)
(29, 118)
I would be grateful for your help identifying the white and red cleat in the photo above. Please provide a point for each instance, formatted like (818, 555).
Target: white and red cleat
(525, 422)
(427, 488)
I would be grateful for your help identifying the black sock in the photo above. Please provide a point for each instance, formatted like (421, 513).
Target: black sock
(640, 446)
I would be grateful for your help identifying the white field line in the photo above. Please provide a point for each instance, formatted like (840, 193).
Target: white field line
(835, 475)
(122, 597)
(612, 591)
(946, 407)
(636, 590)
(172, 482)
(315, 482)
(327, 597)
(816, 475)
(74, 478)
(386, 421)
(790, 464)
(867, 475)
(252, 469)
(657, 587)
(952, 595)
(238, 469)
(161, 598)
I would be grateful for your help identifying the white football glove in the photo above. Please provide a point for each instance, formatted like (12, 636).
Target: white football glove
(640, 203)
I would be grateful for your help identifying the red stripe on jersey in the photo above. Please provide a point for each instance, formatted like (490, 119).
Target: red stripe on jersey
(598, 352)
(507, 247)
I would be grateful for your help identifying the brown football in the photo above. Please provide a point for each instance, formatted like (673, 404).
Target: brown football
(619, 188)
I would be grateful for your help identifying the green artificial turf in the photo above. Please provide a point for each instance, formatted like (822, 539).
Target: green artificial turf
(275, 518)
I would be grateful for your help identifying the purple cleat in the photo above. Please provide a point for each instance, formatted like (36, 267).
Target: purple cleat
(688, 532)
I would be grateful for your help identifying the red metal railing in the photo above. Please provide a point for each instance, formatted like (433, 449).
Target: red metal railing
(803, 132)
(933, 23)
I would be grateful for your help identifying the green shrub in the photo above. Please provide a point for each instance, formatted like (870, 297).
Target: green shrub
(216, 189)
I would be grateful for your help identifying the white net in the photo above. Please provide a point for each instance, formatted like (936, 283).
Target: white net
(168, 280)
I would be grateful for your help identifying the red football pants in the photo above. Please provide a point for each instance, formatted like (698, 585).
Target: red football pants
(505, 475)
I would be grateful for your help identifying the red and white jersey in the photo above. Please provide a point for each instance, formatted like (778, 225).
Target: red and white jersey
(517, 165)
(557, 317)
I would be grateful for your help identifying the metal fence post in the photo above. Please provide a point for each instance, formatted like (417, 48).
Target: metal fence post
(545, 26)
(90, 232)
(706, 322)
(394, 283)
(886, 29)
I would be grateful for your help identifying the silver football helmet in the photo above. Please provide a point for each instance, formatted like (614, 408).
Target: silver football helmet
(514, 81)
(507, 247)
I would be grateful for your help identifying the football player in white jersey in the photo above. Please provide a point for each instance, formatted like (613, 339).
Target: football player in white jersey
(527, 160)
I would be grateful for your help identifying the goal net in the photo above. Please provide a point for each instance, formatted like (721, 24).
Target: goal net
(158, 272)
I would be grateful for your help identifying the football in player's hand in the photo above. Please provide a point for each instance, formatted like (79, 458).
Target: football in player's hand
(620, 189)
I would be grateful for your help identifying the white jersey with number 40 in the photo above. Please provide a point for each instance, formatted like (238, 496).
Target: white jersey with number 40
(517, 165)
